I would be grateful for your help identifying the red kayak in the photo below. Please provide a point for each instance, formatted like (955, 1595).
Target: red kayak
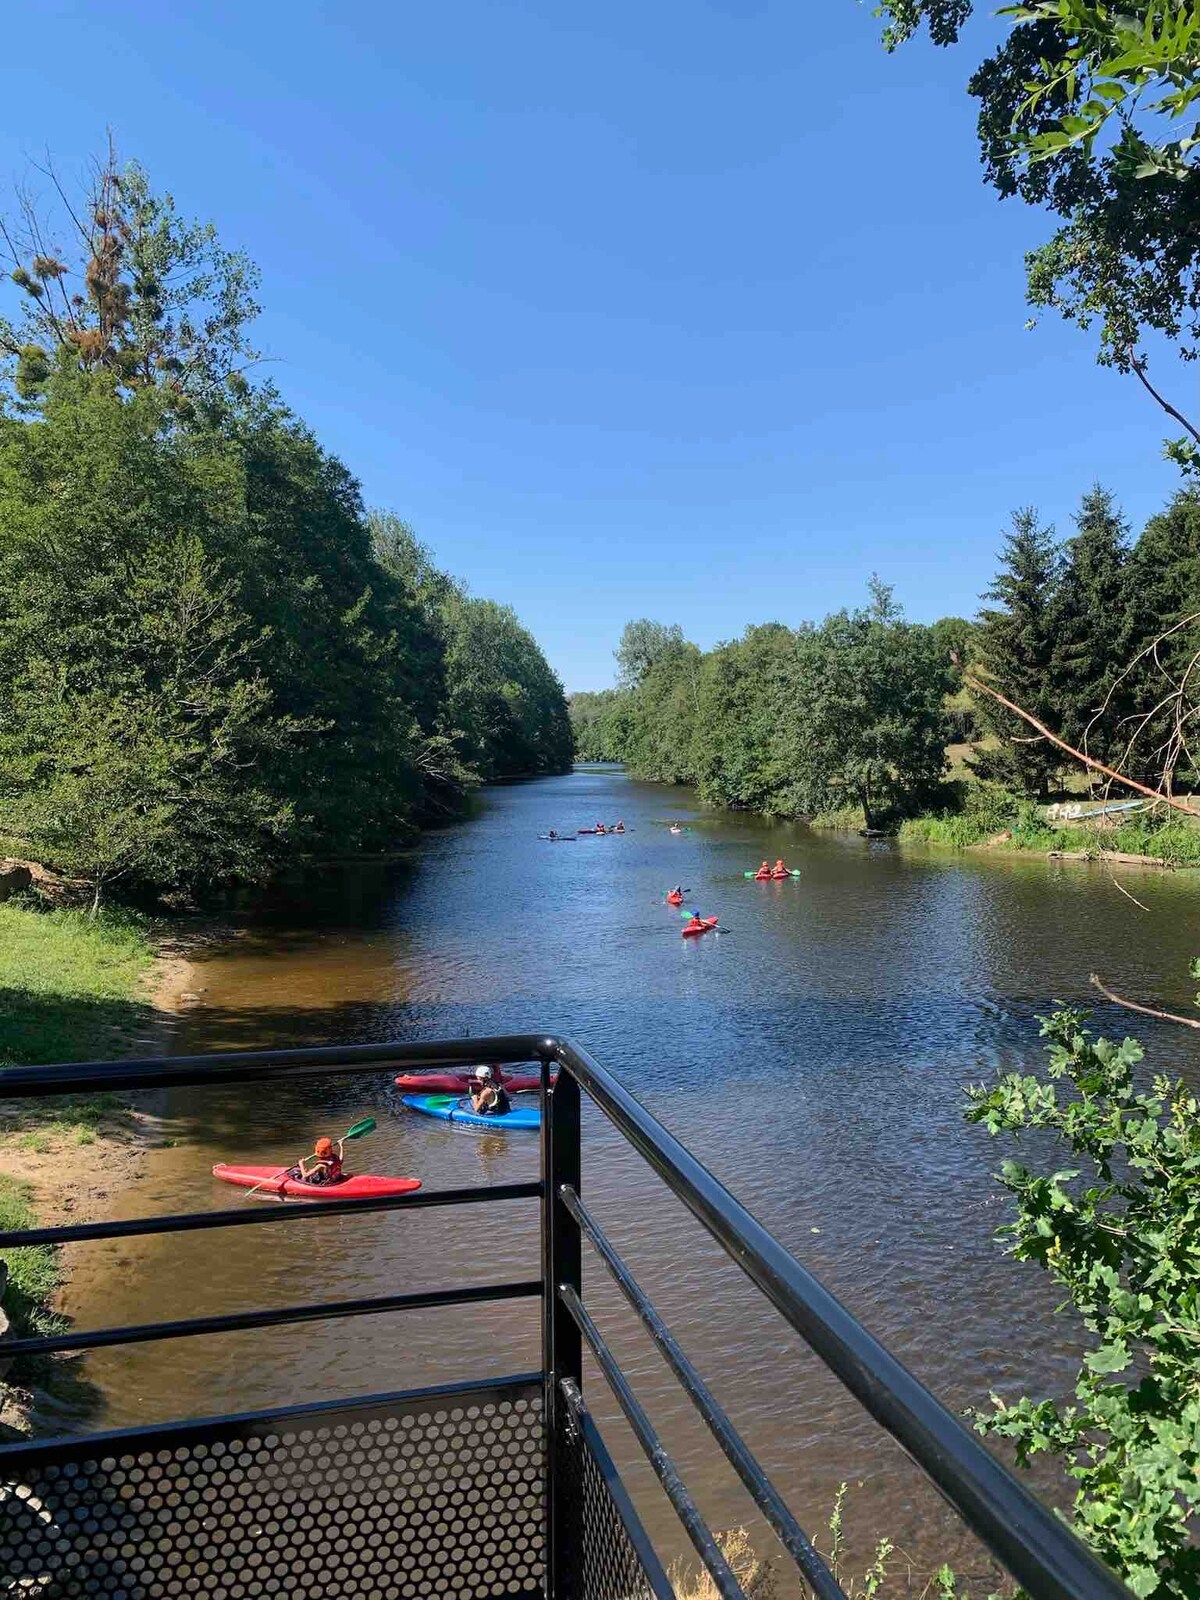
(762, 877)
(363, 1186)
(701, 925)
(460, 1082)
(674, 899)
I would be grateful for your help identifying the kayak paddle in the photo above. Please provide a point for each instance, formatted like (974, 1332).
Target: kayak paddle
(358, 1130)
(793, 872)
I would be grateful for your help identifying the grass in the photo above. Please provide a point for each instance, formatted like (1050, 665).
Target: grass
(67, 980)
(68, 987)
(33, 1273)
(1176, 842)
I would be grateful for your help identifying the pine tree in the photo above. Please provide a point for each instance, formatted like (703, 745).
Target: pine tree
(1014, 648)
(1094, 631)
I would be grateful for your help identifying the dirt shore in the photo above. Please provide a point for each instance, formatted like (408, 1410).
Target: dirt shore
(76, 1157)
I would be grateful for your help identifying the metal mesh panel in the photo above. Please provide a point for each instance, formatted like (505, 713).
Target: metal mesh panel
(405, 1496)
(611, 1558)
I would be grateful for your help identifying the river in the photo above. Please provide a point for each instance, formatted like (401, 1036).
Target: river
(813, 1056)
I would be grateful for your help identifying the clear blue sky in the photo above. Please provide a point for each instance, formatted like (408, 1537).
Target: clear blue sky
(692, 310)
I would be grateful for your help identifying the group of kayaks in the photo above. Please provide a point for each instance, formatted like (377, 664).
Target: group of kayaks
(697, 925)
(555, 837)
(443, 1095)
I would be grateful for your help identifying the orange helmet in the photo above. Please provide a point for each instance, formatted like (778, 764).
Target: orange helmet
(324, 1147)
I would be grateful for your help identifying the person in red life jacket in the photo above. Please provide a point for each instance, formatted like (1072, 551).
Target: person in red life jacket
(325, 1163)
(764, 870)
(489, 1097)
(780, 869)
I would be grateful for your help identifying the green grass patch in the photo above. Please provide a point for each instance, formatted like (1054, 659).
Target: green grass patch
(844, 818)
(33, 1273)
(1176, 840)
(69, 982)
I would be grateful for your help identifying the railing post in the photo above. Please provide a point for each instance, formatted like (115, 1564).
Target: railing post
(561, 1346)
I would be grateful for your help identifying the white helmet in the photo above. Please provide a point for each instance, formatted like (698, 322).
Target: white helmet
(484, 1074)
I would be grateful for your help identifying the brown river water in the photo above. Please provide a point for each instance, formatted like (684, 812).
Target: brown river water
(813, 1057)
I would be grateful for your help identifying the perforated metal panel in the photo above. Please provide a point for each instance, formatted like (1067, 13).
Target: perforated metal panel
(611, 1557)
(422, 1496)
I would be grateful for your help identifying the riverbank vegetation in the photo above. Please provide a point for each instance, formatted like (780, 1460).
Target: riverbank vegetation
(212, 659)
(851, 721)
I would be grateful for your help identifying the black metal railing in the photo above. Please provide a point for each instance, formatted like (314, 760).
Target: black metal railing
(233, 1507)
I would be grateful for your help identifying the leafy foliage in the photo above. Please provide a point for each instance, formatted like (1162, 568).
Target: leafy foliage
(210, 658)
(138, 291)
(785, 721)
(1090, 109)
(1117, 1227)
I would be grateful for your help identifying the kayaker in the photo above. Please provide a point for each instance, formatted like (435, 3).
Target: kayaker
(489, 1097)
(620, 828)
(781, 869)
(552, 834)
(325, 1163)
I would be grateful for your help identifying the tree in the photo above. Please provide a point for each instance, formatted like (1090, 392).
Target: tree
(597, 724)
(643, 645)
(745, 688)
(1085, 109)
(138, 732)
(116, 281)
(1093, 624)
(867, 721)
(1014, 647)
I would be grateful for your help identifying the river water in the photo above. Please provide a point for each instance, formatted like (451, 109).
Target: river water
(813, 1057)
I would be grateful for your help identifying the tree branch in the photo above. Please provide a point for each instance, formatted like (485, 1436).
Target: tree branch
(1140, 368)
(976, 683)
(1146, 1011)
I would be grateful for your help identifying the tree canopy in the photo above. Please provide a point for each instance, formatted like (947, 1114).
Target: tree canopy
(1089, 110)
(211, 658)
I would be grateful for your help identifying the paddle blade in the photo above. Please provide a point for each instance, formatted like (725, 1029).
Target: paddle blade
(367, 1125)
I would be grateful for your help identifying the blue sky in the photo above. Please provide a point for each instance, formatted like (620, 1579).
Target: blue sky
(694, 310)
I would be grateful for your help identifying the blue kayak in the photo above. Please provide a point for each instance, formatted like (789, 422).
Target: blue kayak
(456, 1108)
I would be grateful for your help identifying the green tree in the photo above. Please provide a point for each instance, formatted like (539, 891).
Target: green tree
(1014, 648)
(597, 724)
(1094, 631)
(867, 724)
(745, 688)
(137, 731)
(1088, 109)
(140, 292)
(643, 645)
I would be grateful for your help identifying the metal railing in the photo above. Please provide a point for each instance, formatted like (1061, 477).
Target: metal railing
(592, 1542)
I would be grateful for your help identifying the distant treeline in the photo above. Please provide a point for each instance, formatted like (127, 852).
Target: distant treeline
(211, 656)
(857, 710)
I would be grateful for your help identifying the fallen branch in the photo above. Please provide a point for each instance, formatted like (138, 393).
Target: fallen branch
(1146, 1011)
(973, 682)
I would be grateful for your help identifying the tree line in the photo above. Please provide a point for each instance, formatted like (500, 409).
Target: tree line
(212, 656)
(858, 710)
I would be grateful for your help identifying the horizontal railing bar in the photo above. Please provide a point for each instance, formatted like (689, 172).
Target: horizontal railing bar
(645, 1552)
(196, 1221)
(1041, 1552)
(239, 1321)
(665, 1471)
(259, 1066)
(23, 1454)
(761, 1490)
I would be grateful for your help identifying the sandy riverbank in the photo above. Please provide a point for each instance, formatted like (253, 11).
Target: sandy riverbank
(76, 1156)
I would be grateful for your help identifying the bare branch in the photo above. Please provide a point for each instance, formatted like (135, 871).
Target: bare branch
(976, 683)
(1146, 1011)
(1139, 367)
